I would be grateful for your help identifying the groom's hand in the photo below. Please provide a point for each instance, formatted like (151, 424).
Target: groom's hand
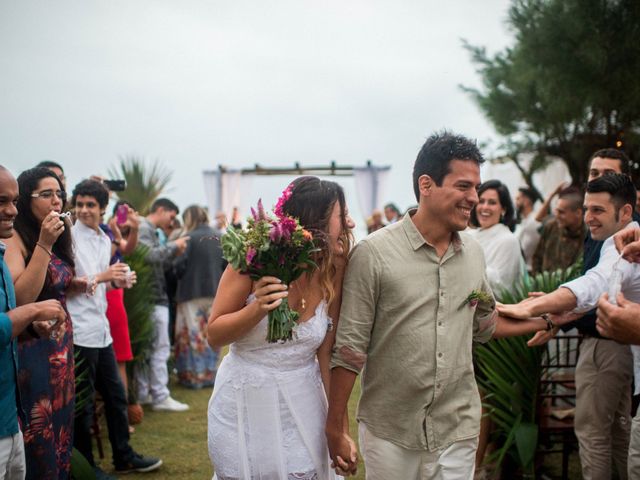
(342, 450)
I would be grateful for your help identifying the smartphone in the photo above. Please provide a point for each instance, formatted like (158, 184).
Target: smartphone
(116, 185)
(121, 214)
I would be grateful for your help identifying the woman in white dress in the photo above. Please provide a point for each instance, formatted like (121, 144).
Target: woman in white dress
(268, 408)
(494, 216)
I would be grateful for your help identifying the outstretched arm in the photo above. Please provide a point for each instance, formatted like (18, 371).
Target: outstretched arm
(561, 300)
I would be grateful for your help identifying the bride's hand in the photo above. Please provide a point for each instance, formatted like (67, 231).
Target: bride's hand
(269, 293)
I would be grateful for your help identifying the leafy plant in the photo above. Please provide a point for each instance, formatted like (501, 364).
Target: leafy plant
(509, 375)
(80, 467)
(138, 302)
(145, 182)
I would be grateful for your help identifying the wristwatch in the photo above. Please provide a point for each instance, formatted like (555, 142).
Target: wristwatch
(550, 324)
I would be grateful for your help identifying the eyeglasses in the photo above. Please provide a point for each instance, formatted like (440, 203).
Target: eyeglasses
(48, 194)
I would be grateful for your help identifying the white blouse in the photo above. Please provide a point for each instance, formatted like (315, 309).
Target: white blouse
(505, 265)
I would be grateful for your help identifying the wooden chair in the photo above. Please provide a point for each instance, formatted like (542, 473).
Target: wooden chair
(557, 399)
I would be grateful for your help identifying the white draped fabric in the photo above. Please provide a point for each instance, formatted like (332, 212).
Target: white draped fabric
(223, 189)
(370, 185)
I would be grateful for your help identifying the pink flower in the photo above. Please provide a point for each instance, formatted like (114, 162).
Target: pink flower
(288, 225)
(251, 254)
(286, 195)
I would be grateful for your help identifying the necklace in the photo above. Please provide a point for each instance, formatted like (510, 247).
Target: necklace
(303, 302)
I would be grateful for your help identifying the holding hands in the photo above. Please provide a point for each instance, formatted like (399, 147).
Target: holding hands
(343, 453)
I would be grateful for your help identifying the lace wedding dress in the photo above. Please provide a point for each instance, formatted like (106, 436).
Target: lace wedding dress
(268, 408)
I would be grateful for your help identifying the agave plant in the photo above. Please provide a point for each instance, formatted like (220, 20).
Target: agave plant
(508, 372)
(144, 183)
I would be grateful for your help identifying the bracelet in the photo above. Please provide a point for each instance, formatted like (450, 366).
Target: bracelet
(550, 324)
(38, 244)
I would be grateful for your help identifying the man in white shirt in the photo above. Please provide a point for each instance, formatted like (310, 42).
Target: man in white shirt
(604, 371)
(92, 341)
(527, 231)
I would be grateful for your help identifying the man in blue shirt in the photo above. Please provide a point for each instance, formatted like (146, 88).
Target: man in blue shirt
(37, 317)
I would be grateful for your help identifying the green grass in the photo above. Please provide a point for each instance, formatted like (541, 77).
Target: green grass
(180, 439)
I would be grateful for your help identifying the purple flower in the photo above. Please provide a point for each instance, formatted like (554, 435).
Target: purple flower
(276, 233)
(251, 254)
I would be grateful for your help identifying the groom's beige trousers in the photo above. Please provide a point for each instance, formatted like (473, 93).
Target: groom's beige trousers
(384, 460)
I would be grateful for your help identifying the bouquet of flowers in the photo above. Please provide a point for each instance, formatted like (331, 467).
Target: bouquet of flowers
(277, 247)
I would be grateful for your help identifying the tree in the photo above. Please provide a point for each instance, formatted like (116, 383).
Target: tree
(144, 183)
(569, 84)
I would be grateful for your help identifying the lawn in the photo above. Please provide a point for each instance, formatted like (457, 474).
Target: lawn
(180, 439)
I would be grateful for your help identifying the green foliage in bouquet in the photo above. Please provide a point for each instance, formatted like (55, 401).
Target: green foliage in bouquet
(508, 372)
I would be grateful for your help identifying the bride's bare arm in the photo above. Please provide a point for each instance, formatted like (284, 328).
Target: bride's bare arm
(230, 317)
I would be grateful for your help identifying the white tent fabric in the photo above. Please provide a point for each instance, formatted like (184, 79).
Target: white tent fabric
(231, 188)
(223, 190)
(371, 183)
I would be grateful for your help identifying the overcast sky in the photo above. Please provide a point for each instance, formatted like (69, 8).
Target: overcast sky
(198, 83)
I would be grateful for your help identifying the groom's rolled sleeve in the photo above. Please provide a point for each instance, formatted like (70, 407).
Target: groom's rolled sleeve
(357, 314)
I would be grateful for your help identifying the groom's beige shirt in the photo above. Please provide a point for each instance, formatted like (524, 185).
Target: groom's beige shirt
(405, 318)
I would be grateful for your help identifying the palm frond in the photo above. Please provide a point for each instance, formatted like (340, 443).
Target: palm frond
(508, 372)
(145, 182)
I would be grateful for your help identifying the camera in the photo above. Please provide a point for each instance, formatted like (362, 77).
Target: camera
(116, 185)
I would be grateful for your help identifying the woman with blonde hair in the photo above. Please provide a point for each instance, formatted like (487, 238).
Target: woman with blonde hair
(198, 271)
(268, 408)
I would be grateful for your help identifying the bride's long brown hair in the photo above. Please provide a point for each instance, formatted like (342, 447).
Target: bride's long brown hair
(312, 201)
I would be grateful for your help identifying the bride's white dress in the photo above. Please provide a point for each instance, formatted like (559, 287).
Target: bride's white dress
(268, 408)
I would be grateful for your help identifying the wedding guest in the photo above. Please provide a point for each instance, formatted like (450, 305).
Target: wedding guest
(605, 367)
(153, 380)
(527, 229)
(13, 321)
(56, 168)
(198, 272)
(562, 238)
(267, 411)
(41, 262)
(124, 239)
(392, 213)
(374, 222)
(97, 369)
(494, 218)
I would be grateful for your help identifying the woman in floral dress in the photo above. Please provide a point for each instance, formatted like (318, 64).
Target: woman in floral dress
(40, 259)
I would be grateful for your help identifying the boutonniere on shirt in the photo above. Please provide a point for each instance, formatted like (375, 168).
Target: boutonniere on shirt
(477, 296)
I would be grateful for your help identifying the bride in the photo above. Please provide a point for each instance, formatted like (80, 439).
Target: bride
(268, 408)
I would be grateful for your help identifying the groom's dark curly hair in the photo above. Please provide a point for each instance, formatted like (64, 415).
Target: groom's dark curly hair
(436, 154)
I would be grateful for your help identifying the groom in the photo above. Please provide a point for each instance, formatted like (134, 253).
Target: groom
(408, 320)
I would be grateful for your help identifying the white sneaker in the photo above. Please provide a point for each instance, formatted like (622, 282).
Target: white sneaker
(169, 405)
(145, 399)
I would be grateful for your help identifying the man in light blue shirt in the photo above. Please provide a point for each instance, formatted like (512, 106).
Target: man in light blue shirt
(34, 316)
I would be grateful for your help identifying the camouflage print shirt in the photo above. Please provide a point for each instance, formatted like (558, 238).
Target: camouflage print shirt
(558, 247)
